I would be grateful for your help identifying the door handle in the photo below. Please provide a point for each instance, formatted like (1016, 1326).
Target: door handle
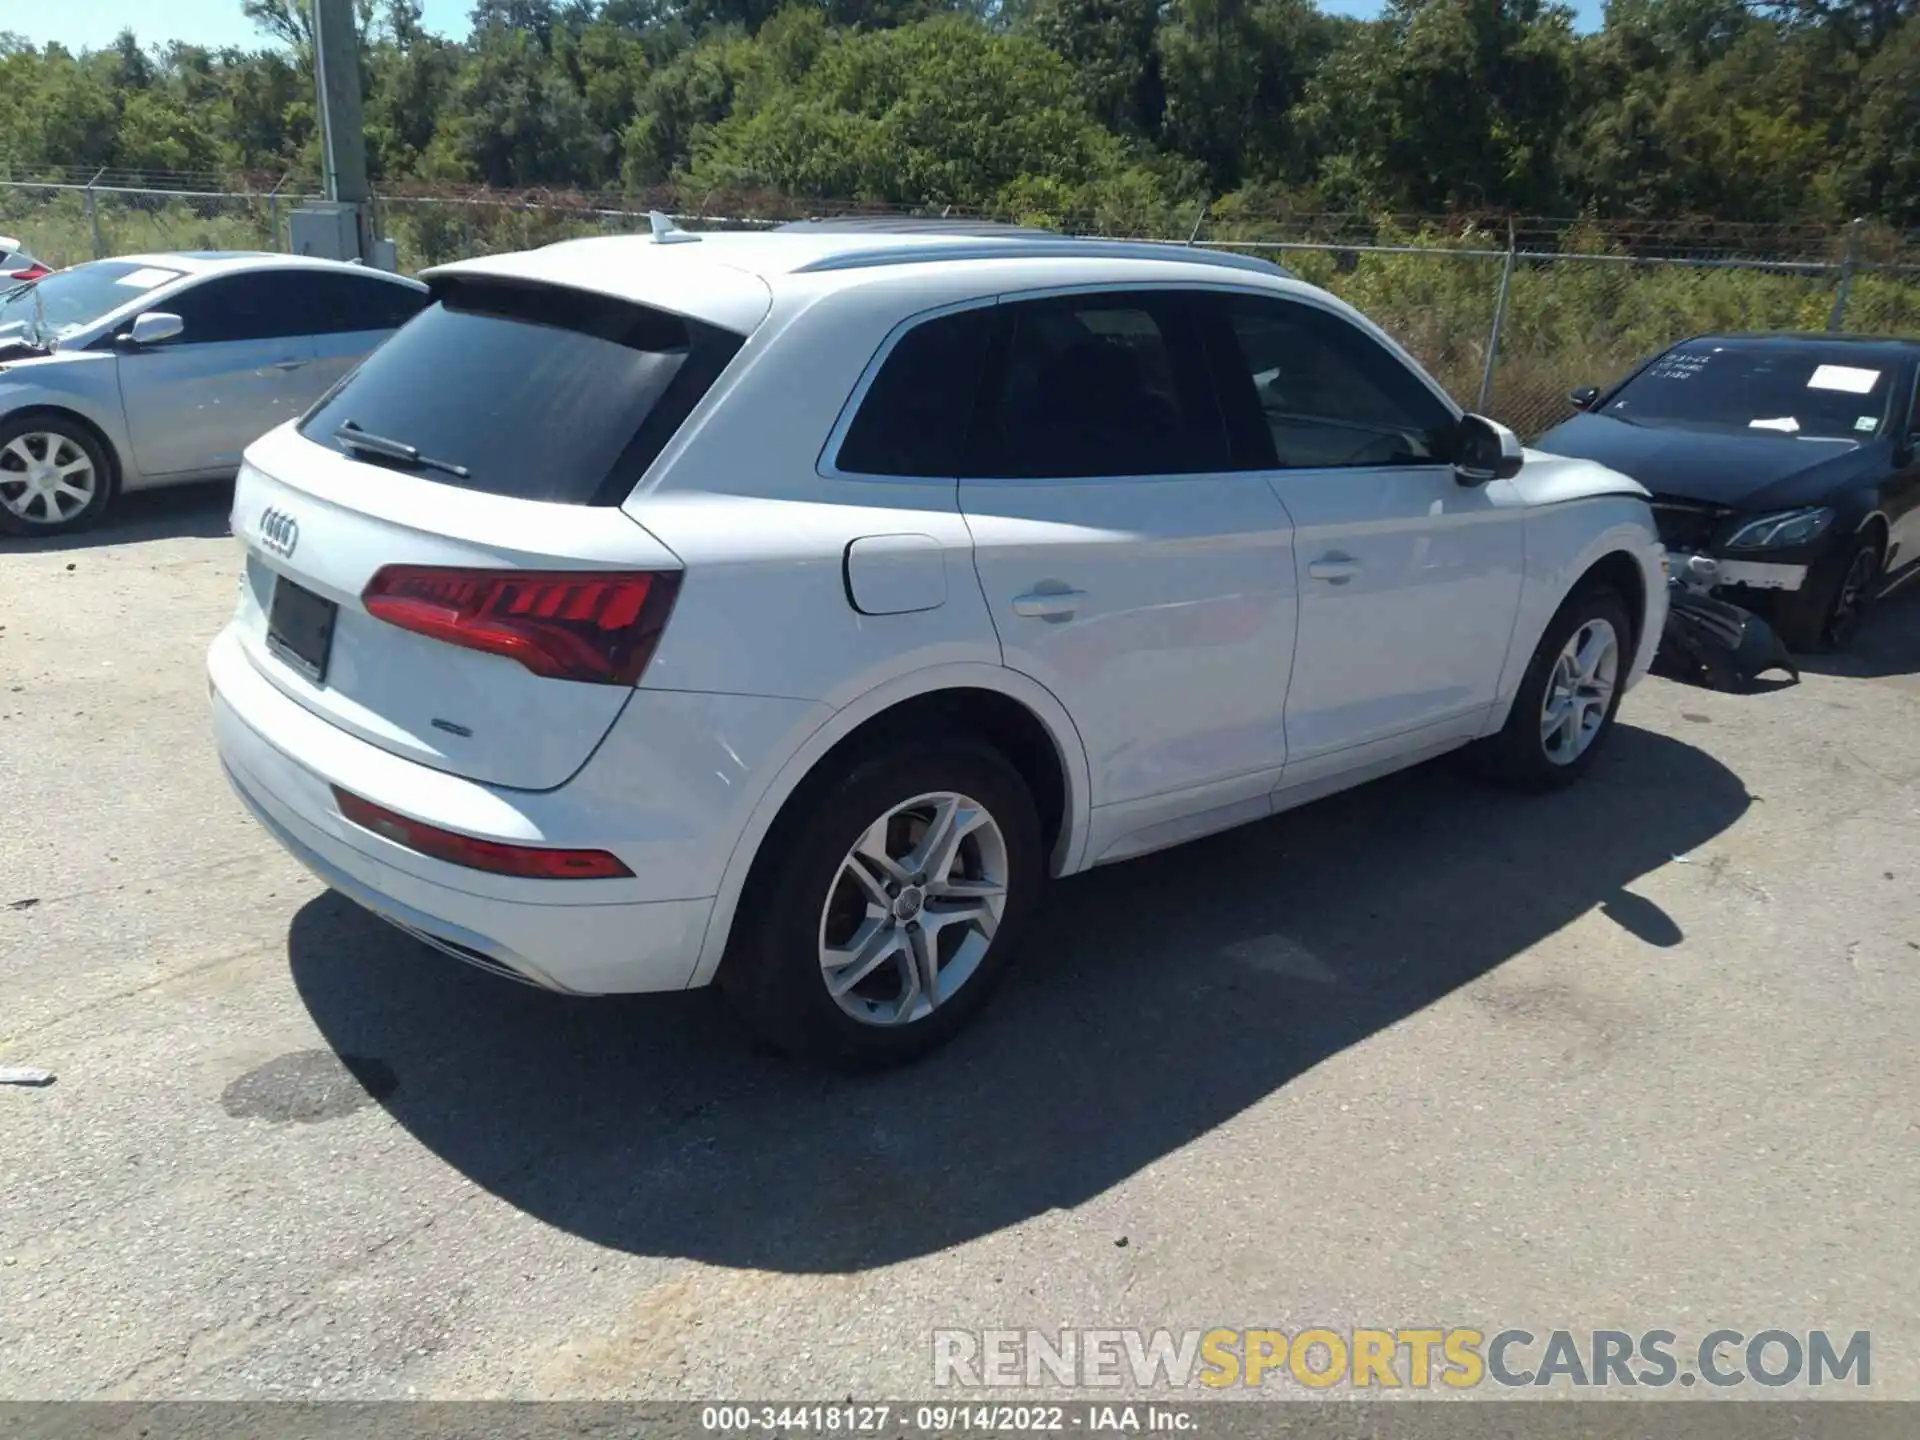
(1048, 604)
(1336, 569)
(288, 364)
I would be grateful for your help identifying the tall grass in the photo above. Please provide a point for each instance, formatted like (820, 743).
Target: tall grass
(54, 226)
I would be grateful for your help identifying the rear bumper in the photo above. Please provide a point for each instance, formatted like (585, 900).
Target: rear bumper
(585, 937)
(580, 949)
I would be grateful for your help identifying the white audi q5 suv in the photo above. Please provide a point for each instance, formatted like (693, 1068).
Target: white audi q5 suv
(786, 609)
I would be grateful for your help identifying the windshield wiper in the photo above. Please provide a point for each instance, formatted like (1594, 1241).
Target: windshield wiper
(354, 438)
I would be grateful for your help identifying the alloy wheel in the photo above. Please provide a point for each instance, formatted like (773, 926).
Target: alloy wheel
(1855, 594)
(46, 478)
(913, 908)
(1579, 692)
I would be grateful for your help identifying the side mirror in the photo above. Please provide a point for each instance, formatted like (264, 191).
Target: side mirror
(156, 327)
(1485, 450)
(1584, 397)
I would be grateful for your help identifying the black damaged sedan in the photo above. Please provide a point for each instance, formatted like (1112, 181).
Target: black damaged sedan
(1786, 461)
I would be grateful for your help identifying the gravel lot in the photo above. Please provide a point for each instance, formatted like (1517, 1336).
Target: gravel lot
(1641, 1055)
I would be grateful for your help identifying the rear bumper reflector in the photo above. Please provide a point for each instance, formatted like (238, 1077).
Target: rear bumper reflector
(532, 862)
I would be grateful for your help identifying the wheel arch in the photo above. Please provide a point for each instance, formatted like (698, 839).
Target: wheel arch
(1621, 573)
(1876, 520)
(1020, 717)
(1566, 553)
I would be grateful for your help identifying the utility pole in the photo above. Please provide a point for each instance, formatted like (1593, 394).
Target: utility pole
(343, 139)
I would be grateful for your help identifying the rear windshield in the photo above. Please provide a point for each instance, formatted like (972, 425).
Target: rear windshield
(1825, 392)
(525, 390)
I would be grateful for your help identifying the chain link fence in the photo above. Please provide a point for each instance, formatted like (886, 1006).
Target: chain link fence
(1584, 320)
(1509, 315)
(1510, 328)
(67, 222)
(428, 231)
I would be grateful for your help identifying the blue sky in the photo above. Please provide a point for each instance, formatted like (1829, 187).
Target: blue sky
(94, 23)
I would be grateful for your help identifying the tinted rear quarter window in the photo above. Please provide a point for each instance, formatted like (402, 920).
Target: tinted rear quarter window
(346, 303)
(539, 392)
(913, 418)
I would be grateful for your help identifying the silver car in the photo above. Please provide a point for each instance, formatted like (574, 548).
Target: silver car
(157, 370)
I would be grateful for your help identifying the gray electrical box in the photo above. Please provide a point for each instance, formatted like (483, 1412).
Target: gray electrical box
(384, 255)
(326, 232)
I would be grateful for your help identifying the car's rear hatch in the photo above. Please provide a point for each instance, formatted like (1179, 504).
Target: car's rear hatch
(436, 557)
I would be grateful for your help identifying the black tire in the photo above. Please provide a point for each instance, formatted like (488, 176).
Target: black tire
(773, 972)
(1519, 756)
(14, 475)
(1824, 618)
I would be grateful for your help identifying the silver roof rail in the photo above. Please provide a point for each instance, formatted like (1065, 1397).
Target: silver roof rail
(1041, 248)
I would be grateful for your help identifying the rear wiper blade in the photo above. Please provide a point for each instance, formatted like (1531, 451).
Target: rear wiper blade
(354, 438)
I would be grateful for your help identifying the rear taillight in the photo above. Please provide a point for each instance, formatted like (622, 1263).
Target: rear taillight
(532, 862)
(35, 271)
(599, 626)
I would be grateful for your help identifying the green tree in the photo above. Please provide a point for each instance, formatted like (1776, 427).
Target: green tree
(1447, 103)
(517, 119)
(1862, 25)
(411, 85)
(75, 113)
(1113, 48)
(1235, 70)
(1119, 113)
(1883, 139)
(942, 112)
(1617, 153)
(680, 100)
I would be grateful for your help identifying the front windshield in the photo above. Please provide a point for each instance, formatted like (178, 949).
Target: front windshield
(1821, 392)
(54, 307)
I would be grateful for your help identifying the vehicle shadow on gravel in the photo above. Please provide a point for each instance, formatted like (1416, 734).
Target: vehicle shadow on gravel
(1158, 999)
(186, 512)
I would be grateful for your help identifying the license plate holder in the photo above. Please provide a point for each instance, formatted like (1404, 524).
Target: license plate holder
(300, 628)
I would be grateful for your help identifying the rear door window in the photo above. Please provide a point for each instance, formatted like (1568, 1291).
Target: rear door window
(256, 305)
(1096, 385)
(533, 391)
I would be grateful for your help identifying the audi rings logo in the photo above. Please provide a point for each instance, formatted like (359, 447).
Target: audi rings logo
(279, 532)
